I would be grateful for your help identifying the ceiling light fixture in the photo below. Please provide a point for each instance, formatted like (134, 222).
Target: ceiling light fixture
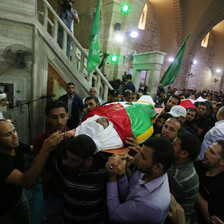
(170, 59)
(218, 70)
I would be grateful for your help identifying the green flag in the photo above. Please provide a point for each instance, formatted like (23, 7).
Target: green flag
(174, 68)
(94, 49)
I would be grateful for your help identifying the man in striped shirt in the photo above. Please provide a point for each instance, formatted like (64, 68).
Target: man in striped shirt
(84, 181)
(183, 179)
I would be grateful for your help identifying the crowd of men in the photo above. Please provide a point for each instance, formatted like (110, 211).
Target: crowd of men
(175, 176)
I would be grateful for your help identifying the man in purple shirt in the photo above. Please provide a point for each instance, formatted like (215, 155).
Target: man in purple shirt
(145, 196)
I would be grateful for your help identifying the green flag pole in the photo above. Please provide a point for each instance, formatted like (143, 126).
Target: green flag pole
(94, 49)
(174, 68)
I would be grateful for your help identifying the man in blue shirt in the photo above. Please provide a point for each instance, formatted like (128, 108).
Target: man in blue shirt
(68, 15)
(146, 195)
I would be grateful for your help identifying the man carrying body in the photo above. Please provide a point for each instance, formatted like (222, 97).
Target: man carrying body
(91, 103)
(84, 181)
(145, 196)
(183, 179)
(14, 206)
(211, 183)
(74, 104)
(57, 116)
(214, 134)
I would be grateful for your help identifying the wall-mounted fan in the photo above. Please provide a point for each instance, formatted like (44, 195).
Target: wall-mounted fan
(17, 56)
(129, 56)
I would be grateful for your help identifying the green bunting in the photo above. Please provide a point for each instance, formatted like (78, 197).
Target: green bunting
(174, 68)
(94, 49)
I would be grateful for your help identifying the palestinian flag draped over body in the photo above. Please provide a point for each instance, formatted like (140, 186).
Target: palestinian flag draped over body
(128, 118)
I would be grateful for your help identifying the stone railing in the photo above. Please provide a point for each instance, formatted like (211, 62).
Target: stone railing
(50, 20)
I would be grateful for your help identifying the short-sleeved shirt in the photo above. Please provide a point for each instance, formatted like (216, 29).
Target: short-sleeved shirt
(212, 190)
(184, 186)
(10, 194)
(203, 123)
(67, 18)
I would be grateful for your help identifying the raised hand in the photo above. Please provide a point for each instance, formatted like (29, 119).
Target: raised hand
(133, 144)
(52, 141)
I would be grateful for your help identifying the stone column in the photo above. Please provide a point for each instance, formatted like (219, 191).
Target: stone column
(112, 14)
(153, 62)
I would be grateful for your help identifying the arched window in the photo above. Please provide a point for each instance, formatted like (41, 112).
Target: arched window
(142, 21)
(204, 42)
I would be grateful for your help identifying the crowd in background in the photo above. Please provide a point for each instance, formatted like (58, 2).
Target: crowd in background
(175, 176)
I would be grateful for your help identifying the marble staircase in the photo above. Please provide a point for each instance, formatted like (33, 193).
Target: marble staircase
(47, 23)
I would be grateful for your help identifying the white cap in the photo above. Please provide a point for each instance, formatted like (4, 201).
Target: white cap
(2, 96)
(178, 111)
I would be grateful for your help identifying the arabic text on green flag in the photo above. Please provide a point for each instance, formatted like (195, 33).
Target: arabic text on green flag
(94, 49)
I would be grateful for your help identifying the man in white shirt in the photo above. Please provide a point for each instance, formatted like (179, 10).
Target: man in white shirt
(214, 134)
(3, 102)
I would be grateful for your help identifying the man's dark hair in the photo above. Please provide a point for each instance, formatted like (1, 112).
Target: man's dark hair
(162, 151)
(82, 146)
(113, 92)
(70, 83)
(164, 115)
(182, 95)
(128, 76)
(127, 93)
(92, 98)
(55, 104)
(191, 109)
(203, 104)
(177, 97)
(221, 143)
(191, 144)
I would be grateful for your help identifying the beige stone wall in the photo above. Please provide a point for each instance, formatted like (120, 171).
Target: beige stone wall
(204, 71)
(149, 39)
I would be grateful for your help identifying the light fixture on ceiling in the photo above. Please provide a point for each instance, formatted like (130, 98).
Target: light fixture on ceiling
(119, 38)
(132, 34)
(125, 8)
(218, 70)
(170, 59)
(195, 62)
